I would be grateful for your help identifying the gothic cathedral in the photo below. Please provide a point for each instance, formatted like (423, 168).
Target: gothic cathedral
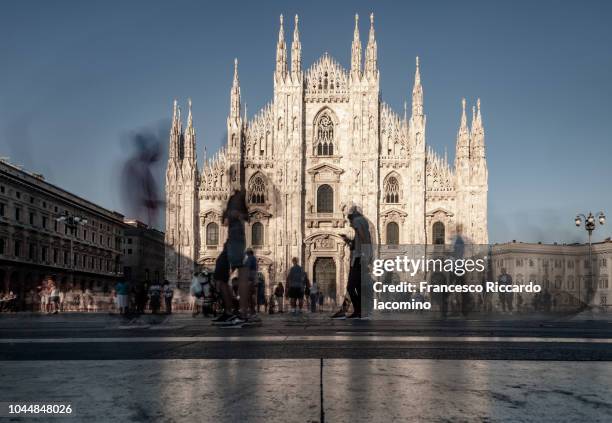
(325, 141)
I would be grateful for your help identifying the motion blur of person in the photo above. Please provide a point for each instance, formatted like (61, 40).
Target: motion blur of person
(506, 298)
(279, 293)
(155, 297)
(54, 297)
(296, 281)
(197, 293)
(261, 291)
(361, 254)
(140, 297)
(314, 297)
(122, 291)
(250, 262)
(232, 258)
(44, 296)
(168, 294)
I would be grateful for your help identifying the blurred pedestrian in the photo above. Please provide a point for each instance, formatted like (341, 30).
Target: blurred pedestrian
(314, 297)
(279, 293)
(155, 297)
(121, 291)
(168, 294)
(296, 282)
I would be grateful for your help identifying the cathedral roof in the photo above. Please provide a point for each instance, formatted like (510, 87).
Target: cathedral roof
(326, 77)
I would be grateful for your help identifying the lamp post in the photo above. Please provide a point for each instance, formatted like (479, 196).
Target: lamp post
(72, 222)
(589, 225)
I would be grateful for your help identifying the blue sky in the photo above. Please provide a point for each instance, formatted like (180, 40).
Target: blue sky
(77, 78)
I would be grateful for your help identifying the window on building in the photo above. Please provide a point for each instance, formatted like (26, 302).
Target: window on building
(603, 263)
(31, 218)
(44, 222)
(55, 255)
(17, 214)
(325, 199)
(257, 190)
(2, 243)
(519, 262)
(391, 190)
(212, 234)
(129, 251)
(129, 241)
(257, 234)
(44, 254)
(17, 248)
(324, 142)
(392, 233)
(66, 258)
(32, 252)
(2, 207)
(438, 232)
(17, 194)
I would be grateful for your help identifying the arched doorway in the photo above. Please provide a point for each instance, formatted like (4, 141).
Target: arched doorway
(325, 276)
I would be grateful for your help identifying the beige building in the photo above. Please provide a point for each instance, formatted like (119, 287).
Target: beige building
(34, 244)
(563, 269)
(326, 140)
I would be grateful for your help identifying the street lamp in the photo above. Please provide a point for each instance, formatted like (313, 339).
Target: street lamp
(72, 222)
(589, 225)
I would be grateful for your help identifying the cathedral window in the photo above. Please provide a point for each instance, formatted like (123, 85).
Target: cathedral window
(392, 190)
(257, 234)
(438, 233)
(392, 233)
(212, 234)
(257, 190)
(325, 199)
(324, 142)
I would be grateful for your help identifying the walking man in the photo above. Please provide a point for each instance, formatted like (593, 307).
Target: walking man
(296, 280)
(121, 290)
(279, 293)
(361, 254)
(231, 258)
(155, 297)
(168, 293)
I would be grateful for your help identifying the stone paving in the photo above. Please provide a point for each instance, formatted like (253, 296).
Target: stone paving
(289, 390)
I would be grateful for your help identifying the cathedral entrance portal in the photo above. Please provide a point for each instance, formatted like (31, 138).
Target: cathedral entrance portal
(325, 276)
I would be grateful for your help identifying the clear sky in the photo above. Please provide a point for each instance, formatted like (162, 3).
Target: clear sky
(78, 78)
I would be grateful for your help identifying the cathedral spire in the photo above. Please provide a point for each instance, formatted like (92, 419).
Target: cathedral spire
(417, 92)
(356, 54)
(478, 136)
(463, 136)
(281, 53)
(190, 137)
(175, 133)
(371, 65)
(296, 51)
(235, 95)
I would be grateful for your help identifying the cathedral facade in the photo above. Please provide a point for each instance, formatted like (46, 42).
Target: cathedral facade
(324, 142)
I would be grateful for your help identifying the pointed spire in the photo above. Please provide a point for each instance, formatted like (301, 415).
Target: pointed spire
(281, 53)
(417, 92)
(356, 54)
(190, 137)
(405, 110)
(189, 115)
(235, 95)
(478, 136)
(175, 132)
(371, 51)
(463, 126)
(473, 124)
(296, 50)
(462, 148)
